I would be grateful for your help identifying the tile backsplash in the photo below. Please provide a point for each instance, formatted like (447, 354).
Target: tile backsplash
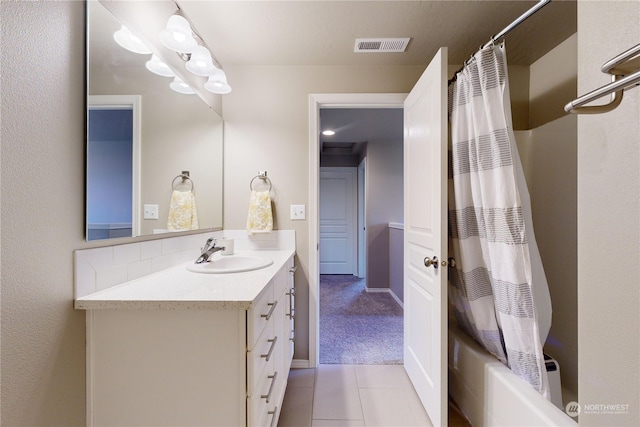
(101, 268)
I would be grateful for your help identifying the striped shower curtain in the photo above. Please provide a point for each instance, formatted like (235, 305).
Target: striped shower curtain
(490, 232)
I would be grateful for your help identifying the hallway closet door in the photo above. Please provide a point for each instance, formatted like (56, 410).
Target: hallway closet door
(338, 220)
(425, 238)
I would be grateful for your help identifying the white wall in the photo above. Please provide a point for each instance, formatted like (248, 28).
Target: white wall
(608, 221)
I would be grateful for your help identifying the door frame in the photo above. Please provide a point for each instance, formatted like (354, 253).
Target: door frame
(361, 223)
(317, 102)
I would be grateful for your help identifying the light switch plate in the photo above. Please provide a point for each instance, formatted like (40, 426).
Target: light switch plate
(297, 212)
(150, 212)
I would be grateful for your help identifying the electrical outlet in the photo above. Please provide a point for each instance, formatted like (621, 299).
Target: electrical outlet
(150, 212)
(297, 212)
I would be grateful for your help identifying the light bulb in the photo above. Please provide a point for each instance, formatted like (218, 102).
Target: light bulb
(177, 36)
(126, 39)
(155, 65)
(217, 83)
(180, 86)
(201, 62)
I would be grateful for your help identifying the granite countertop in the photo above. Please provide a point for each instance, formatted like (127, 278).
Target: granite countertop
(176, 288)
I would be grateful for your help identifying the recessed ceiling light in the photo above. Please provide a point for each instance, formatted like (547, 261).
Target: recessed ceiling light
(328, 132)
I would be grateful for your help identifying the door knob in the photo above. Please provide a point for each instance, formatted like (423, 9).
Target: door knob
(431, 262)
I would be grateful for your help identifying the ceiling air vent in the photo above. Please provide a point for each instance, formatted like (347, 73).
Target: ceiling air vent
(381, 45)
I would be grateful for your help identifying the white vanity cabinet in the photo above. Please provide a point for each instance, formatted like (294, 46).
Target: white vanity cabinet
(192, 366)
(269, 355)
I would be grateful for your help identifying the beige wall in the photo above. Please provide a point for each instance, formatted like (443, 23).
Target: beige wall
(267, 128)
(42, 129)
(43, 111)
(549, 158)
(608, 221)
(553, 82)
(549, 161)
(384, 187)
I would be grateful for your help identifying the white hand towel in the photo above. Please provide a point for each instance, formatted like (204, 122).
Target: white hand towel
(183, 214)
(259, 219)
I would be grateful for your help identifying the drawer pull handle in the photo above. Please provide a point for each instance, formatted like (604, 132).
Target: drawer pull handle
(293, 269)
(291, 294)
(274, 412)
(273, 345)
(273, 382)
(273, 307)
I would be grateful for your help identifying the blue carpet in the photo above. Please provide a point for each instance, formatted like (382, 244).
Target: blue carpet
(358, 327)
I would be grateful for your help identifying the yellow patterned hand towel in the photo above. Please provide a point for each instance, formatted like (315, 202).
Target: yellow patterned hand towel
(183, 214)
(260, 219)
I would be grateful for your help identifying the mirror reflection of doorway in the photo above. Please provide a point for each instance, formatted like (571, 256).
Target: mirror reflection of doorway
(112, 145)
(360, 193)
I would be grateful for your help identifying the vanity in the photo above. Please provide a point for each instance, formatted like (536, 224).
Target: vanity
(184, 348)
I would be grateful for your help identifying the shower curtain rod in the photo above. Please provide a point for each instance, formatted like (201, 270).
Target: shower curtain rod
(506, 30)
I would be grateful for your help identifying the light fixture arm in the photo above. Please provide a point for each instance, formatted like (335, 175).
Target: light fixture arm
(187, 56)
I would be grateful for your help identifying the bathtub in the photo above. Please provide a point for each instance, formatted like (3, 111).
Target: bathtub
(489, 394)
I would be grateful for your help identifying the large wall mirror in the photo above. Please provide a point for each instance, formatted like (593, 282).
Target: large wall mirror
(142, 136)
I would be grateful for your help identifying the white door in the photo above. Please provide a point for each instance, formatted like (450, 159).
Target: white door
(425, 241)
(338, 219)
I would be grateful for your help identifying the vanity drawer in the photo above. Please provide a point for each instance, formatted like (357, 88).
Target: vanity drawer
(266, 399)
(261, 356)
(259, 314)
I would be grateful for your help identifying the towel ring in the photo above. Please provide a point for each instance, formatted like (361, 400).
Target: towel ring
(184, 177)
(264, 178)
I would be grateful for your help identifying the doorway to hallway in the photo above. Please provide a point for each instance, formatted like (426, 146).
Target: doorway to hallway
(359, 320)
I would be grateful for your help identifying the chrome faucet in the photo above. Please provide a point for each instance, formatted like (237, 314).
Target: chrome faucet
(209, 249)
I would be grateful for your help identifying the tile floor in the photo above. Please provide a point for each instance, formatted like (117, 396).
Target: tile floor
(354, 396)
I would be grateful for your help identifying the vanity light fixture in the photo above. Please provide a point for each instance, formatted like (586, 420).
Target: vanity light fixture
(178, 36)
(328, 133)
(155, 65)
(125, 38)
(181, 87)
(217, 83)
(201, 63)
(181, 38)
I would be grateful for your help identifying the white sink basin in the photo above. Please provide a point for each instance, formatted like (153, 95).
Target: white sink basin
(231, 264)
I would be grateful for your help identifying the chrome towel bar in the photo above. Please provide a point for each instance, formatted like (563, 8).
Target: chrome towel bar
(625, 71)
